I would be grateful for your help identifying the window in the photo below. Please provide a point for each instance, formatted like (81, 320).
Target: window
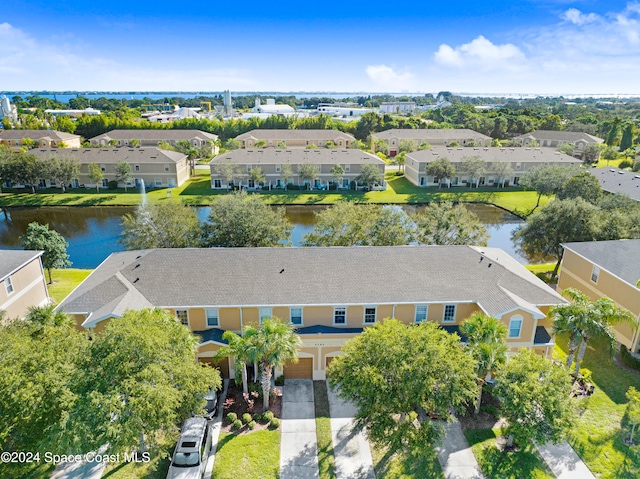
(369, 315)
(516, 180)
(345, 182)
(264, 314)
(212, 317)
(296, 316)
(183, 316)
(158, 181)
(136, 167)
(103, 168)
(251, 183)
(249, 168)
(166, 167)
(171, 182)
(515, 326)
(8, 285)
(449, 313)
(340, 143)
(278, 168)
(594, 274)
(518, 165)
(421, 313)
(105, 183)
(347, 168)
(52, 182)
(217, 183)
(339, 315)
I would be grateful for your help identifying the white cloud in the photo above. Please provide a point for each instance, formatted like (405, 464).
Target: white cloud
(385, 76)
(576, 17)
(27, 63)
(480, 52)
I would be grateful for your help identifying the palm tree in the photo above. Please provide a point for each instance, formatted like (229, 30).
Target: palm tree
(486, 337)
(567, 319)
(237, 347)
(47, 316)
(271, 345)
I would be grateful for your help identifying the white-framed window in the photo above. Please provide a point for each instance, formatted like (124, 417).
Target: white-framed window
(136, 168)
(449, 313)
(295, 313)
(515, 326)
(340, 315)
(249, 168)
(103, 167)
(105, 183)
(166, 167)
(183, 316)
(212, 317)
(264, 314)
(595, 272)
(369, 314)
(347, 168)
(278, 168)
(217, 183)
(421, 312)
(8, 285)
(158, 181)
(171, 182)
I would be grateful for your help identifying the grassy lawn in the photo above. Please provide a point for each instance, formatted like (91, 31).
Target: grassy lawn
(197, 191)
(255, 455)
(543, 271)
(156, 468)
(608, 163)
(421, 465)
(598, 435)
(326, 459)
(65, 281)
(34, 470)
(505, 465)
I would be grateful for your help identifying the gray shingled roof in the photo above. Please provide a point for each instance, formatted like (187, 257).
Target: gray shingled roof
(156, 135)
(227, 277)
(11, 260)
(428, 133)
(614, 180)
(36, 135)
(619, 257)
(570, 136)
(295, 135)
(113, 155)
(270, 156)
(491, 154)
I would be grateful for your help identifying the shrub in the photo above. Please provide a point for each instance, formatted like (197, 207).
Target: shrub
(232, 416)
(636, 165)
(628, 359)
(267, 416)
(246, 418)
(280, 380)
(255, 388)
(274, 423)
(112, 184)
(490, 409)
(257, 417)
(251, 425)
(627, 163)
(237, 424)
(293, 187)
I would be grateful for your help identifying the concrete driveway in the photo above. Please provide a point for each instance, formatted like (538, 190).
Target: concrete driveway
(298, 444)
(455, 455)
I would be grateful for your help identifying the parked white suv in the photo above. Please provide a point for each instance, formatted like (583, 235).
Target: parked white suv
(192, 451)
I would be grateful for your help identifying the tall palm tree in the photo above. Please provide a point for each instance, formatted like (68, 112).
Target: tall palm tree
(486, 337)
(47, 316)
(271, 345)
(567, 318)
(237, 347)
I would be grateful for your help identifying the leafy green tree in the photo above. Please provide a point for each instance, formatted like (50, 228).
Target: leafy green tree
(330, 144)
(96, 175)
(612, 136)
(487, 342)
(163, 145)
(591, 153)
(610, 153)
(551, 122)
(407, 146)
(449, 224)
(349, 224)
(312, 146)
(357, 145)
(161, 225)
(227, 172)
(286, 174)
(627, 137)
(40, 237)
(257, 175)
(425, 145)
(474, 167)
(271, 345)
(633, 409)
(502, 170)
(566, 319)
(561, 221)
(441, 169)
(546, 179)
(337, 172)
(453, 144)
(42, 317)
(535, 399)
(370, 174)
(583, 185)
(400, 159)
(135, 143)
(260, 144)
(232, 144)
(282, 144)
(141, 379)
(29, 143)
(240, 220)
(124, 174)
(308, 172)
(567, 149)
(382, 147)
(397, 375)
(24, 168)
(62, 170)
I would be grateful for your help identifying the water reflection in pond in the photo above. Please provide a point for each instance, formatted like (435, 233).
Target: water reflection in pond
(93, 232)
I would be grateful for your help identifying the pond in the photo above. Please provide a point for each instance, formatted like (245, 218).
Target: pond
(93, 232)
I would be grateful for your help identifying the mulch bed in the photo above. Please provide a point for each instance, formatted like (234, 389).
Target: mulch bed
(236, 403)
(484, 419)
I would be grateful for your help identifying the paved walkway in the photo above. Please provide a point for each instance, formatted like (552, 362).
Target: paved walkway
(455, 455)
(299, 445)
(215, 425)
(564, 462)
(80, 470)
(350, 448)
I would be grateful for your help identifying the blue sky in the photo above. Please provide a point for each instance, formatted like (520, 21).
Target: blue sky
(534, 46)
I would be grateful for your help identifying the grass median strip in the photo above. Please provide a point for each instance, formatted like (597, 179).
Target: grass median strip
(255, 455)
(326, 458)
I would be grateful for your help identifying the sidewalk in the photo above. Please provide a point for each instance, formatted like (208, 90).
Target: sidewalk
(564, 462)
(455, 455)
(350, 448)
(215, 426)
(80, 470)
(298, 443)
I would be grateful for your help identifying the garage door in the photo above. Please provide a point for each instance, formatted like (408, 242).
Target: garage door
(303, 369)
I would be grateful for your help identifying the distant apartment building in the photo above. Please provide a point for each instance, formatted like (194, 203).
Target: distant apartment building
(519, 159)
(15, 139)
(154, 137)
(555, 139)
(270, 160)
(22, 282)
(398, 107)
(295, 138)
(435, 137)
